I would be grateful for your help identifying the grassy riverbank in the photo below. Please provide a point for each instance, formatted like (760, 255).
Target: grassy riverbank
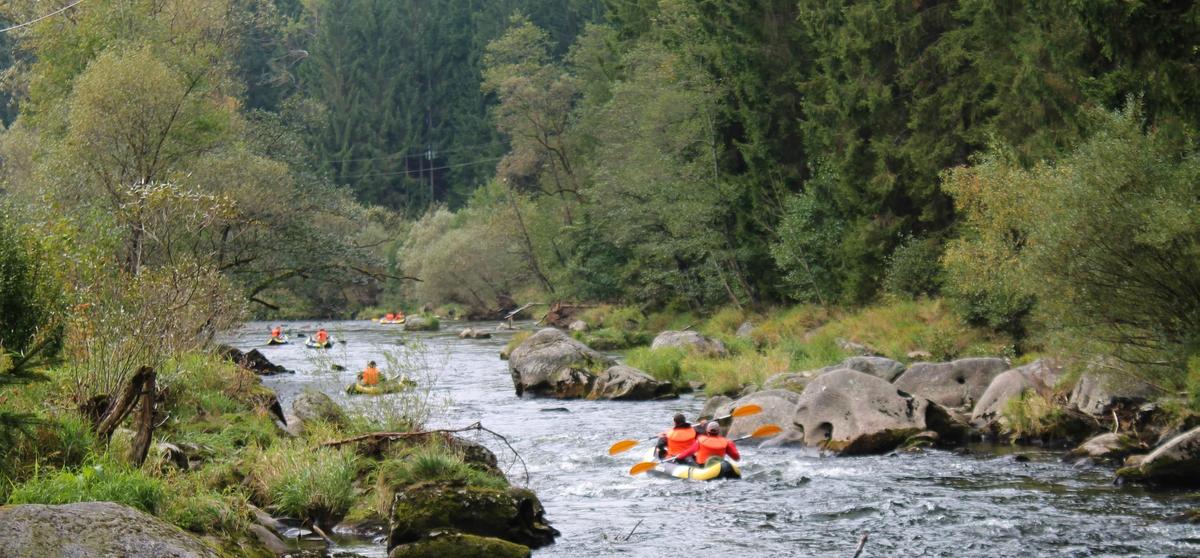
(232, 455)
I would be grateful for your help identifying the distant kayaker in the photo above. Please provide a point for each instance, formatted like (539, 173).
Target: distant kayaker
(680, 437)
(711, 444)
(389, 317)
(322, 336)
(277, 332)
(370, 376)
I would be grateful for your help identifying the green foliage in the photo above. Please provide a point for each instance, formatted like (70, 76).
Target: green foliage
(103, 481)
(665, 364)
(914, 269)
(196, 508)
(299, 481)
(433, 463)
(1032, 416)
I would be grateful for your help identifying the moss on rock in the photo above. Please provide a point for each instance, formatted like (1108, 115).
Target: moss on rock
(460, 545)
(515, 515)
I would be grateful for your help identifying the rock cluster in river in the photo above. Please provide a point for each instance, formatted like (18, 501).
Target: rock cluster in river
(552, 364)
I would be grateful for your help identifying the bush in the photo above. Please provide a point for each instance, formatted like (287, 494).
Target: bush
(196, 508)
(665, 364)
(304, 482)
(104, 481)
(914, 269)
(435, 463)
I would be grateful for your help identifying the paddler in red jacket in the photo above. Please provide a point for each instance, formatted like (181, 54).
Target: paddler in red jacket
(678, 438)
(711, 444)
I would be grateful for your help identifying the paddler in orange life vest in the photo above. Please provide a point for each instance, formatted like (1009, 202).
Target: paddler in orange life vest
(678, 438)
(322, 336)
(277, 332)
(389, 317)
(370, 376)
(711, 444)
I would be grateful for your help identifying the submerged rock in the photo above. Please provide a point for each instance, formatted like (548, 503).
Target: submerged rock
(691, 341)
(552, 364)
(952, 384)
(460, 545)
(1039, 376)
(515, 515)
(622, 382)
(849, 412)
(1174, 463)
(93, 529)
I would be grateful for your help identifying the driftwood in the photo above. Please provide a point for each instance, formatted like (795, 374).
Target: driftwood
(120, 407)
(862, 541)
(561, 314)
(375, 438)
(143, 421)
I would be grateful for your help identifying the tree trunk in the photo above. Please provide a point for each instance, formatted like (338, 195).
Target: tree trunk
(119, 408)
(143, 422)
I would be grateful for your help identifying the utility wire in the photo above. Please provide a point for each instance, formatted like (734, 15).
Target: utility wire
(51, 14)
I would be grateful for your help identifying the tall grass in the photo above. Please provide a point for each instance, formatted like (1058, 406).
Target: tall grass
(294, 479)
(101, 481)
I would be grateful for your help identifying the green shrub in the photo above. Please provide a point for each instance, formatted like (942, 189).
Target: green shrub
(663, 363)
(517, 338)
(304, 482)
(191, 506)
(435, 463)
(1032, 416)
(103, 481)
(914, 269)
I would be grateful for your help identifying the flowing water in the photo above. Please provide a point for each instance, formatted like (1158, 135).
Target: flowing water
(791, 502)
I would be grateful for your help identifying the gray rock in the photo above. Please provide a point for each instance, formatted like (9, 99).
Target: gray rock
(855, 348)
(1111, 446)
(745, 331)
(515, 515)
(420, 323)
(883, 368)
(552, 364)
(919, 355)
(578, 325)
(313, 405)
(1174, 463)
(269, 540)
(472, 333)
(1096, 393)
(622, 382)
(952, 384)
(849, 412)
(778, 407)
(1039, 376)
(715, 404)
(692, 341)
(792, 381)
(87, 529)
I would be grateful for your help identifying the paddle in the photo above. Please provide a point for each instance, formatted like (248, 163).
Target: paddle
(762, 431)
(743, 411)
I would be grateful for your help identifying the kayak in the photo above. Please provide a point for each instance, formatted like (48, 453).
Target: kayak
(390, 386)
(716, 468)
(277, 341)
(387, 321)
(313, 344)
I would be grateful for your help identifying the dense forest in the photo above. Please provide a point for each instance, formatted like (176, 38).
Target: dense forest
(1032, 163)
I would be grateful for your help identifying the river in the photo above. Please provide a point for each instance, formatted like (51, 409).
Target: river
(791, 502)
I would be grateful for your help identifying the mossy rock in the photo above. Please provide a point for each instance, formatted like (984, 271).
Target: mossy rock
(421, 323)
(460, 545)
(515, 515)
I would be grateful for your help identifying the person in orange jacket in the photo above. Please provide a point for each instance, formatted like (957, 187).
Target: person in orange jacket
(277, 332)
(369, 376)
(678, 438)
(711, 444)
(322, 336)
(389, 317)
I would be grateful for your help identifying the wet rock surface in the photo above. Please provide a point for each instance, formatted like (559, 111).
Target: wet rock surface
(552, 364)
(89, 529)
(515, 515)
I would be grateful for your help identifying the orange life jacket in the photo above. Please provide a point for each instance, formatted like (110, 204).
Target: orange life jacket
(322, 336)
(679, 439)
(390, 316)
(370, 376)
(277, 332)
(711, 446)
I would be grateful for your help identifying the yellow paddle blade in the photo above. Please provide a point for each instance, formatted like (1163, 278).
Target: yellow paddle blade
(746, 410)
(623, 445)
(642, 467)
(766, 430)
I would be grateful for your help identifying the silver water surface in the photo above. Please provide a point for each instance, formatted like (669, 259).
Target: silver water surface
(791, 502)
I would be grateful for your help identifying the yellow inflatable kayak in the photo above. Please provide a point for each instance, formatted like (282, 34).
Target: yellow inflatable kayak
(390, 386)
(387, 321)
(277, 341)
(716, 468)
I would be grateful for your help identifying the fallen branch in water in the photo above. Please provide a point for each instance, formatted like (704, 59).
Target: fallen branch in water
(635, 526)
(374, 437)
(862, 541)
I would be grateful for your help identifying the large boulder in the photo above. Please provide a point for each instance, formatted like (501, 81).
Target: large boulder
(778, 407)
(459, 545)
(552, 364)
(1097, 394)
(252, 360)
(312, 405)
(421, 323)
(1174, 463)
(849, 412)
(792, 381)
(515, 515)
(959, 383)
(715, 404)
(883, 368)
(1039, 376)
(472, 333)
(622, 382)
(691, 341)
(87, 529)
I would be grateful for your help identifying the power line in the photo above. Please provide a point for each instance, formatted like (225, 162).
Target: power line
(51, 14)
